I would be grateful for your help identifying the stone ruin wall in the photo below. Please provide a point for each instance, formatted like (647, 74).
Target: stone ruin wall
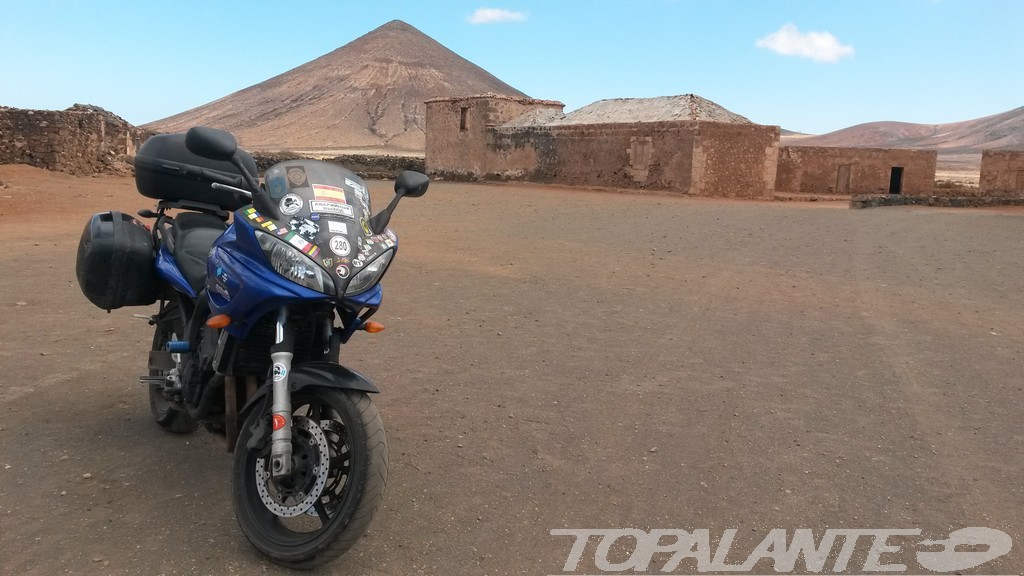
(817, 170)
(687, 157)
(695, 158)
(655, 155)
(735, 160)
(465, 141)
(80, 140)
(1002, 173)
(457, 130)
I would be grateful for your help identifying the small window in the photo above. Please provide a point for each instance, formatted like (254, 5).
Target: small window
(462, 118)
(640, 155)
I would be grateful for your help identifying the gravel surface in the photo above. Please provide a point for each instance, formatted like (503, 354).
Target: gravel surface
(557, 358)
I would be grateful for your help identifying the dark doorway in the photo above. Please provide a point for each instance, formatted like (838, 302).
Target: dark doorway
(896, 180)
(843, 179)
(463, 113)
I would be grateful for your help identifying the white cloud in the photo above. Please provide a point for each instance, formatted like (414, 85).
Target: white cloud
(493, 15)
(818, 46)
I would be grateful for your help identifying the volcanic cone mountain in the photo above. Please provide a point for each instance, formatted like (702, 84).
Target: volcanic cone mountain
(367, 95)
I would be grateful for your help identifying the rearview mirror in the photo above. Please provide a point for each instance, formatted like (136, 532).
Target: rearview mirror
(409, 183)
(219, 145)
(211, 143)
(413, 183)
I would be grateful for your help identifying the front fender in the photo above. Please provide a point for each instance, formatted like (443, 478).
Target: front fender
(330, 375)
(326, 374)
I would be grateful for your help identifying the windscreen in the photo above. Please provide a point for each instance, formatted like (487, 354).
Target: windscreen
(323, 210)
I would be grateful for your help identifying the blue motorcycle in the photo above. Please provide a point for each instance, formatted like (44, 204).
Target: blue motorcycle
(258, 287)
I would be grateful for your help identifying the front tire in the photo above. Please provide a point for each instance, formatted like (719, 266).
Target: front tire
(339, 472)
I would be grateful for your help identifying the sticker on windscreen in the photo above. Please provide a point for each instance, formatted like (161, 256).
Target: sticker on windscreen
(305, 228)
(340, 246)
(297, 177)
(277, 182)
(329, 193)
(327, 207)
(291, 204)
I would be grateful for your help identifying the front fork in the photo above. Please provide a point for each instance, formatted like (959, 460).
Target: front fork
(281, 410)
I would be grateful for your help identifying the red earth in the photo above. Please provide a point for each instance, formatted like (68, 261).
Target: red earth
(557, 358)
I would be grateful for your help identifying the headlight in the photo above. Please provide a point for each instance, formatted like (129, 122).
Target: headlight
(370, 274)
(295, 265)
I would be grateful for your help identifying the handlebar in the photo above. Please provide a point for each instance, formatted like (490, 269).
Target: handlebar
(197, 172)
(219, 181)
(219, 186)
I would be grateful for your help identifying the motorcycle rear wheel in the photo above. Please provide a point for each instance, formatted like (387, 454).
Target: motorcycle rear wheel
(169, 417)
(339, 472)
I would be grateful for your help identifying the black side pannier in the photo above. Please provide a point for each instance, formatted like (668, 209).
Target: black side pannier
(166, 170)
(116, 262)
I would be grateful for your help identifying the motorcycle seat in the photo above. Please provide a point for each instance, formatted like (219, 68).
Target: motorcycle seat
(193, 234)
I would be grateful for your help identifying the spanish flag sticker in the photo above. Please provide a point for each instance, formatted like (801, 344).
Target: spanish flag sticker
(330, 193)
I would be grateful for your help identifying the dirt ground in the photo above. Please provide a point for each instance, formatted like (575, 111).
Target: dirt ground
(556, 358)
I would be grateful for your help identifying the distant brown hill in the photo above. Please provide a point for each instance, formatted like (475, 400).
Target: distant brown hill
(367, 95)
(1004, 130)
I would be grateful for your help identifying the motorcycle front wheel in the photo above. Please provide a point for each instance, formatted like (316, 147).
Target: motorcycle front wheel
(339, 471)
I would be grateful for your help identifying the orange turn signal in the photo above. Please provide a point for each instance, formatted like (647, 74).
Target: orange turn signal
(373, 327)
(219, 321)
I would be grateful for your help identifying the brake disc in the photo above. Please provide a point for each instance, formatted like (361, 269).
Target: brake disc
(289, 503)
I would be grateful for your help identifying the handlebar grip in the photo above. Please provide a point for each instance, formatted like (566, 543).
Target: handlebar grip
(202, 173)
(236, 181)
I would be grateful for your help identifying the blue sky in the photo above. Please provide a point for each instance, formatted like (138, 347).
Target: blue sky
(807, 65)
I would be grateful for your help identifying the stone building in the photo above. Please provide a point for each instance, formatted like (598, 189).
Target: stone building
(1002, 173)
(826, 170)
(79, 140)
(458, 133)
(683, 144)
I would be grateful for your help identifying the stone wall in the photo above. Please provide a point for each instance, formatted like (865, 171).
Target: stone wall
(1002, 173)
(466, 140)
(457, 129)
(822, 170)
(366, 166)
(79, 140)
(655, 155)
(735, 160)
(688, 157)
(859, 202)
